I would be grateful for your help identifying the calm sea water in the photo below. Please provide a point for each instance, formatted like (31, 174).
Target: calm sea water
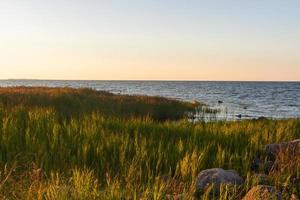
(240, 99)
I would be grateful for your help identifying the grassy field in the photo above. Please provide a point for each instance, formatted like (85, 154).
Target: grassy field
(81, 144)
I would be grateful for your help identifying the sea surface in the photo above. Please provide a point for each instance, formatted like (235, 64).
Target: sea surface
(234, 100)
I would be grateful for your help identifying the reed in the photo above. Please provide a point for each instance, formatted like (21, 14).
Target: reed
(71, 103)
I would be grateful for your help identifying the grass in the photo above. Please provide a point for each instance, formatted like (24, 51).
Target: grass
(71, 103)
(82, 144)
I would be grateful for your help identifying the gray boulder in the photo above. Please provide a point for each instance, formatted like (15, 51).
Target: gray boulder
(263, 192)
(216, 177)
(272, 150)
(275, 155)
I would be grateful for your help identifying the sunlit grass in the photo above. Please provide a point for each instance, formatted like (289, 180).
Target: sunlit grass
(100, 155)
(68, 102)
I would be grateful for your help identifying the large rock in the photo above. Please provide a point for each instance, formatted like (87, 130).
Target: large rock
(273, 150)
(216, 177)
(263, 192)
(275, 156)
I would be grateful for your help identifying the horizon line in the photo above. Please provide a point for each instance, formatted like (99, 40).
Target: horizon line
(145, 80)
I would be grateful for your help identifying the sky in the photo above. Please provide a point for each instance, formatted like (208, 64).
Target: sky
(150, 40)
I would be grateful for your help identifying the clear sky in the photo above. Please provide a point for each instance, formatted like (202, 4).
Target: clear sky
(150, 39)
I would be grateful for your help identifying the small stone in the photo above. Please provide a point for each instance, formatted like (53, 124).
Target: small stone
(262, 118)
(215, 177)
(239, 116)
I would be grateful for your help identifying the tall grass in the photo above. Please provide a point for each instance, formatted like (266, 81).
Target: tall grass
(96, 155)
(70, 103)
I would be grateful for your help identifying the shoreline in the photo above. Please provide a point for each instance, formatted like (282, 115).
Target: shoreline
(271, 100)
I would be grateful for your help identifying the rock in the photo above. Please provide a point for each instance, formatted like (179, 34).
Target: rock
(273, 150)
(216, 176)
(274, 156)
(263, 192)
(239, 116)
(262, 118)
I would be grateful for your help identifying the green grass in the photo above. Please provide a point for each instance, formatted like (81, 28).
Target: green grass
(73, 103)
(47, 152)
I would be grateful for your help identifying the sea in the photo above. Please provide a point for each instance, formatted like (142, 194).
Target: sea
(233, 100)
